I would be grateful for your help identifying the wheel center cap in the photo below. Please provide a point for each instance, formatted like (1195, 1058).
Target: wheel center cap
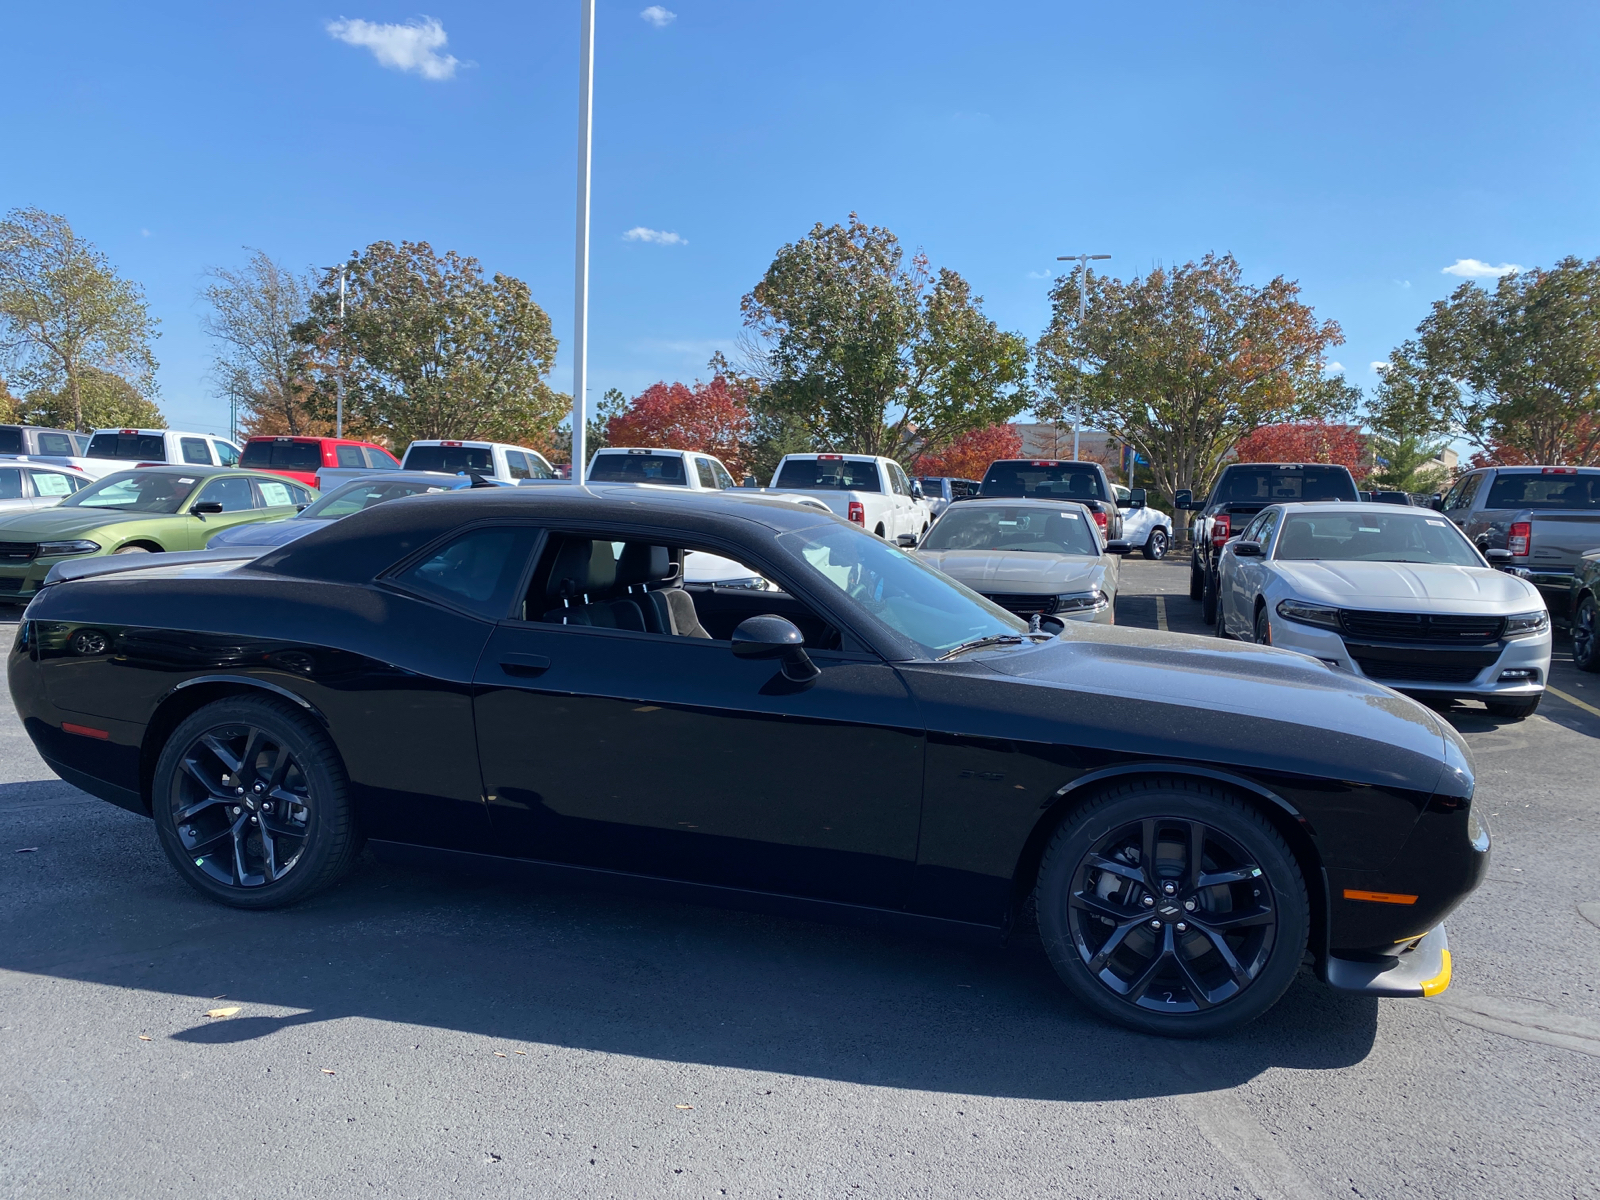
(1170, 911)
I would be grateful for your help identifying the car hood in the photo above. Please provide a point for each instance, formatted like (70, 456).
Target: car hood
(57, 524)
(264, 533)
(1437, 586)
(1011, 571)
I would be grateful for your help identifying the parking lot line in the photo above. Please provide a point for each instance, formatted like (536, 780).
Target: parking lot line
(1161, 613)
(1588, 708)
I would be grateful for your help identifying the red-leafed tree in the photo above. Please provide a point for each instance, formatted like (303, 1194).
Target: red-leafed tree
(1306, 442)
(968, 456)
(712, 417)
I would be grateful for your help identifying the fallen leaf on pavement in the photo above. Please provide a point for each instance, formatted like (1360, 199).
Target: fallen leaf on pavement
(497, 1054)
(325, 1071)
(223, 1012)
(524, 1053)
(690, 1106)
(144, 1037)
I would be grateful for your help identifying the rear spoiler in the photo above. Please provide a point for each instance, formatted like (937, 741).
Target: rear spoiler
(114, 564)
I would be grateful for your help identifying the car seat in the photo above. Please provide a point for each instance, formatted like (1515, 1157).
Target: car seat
(584, 569)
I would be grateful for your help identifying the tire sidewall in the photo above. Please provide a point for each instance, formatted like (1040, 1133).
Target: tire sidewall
(1228, 814)
(1155, 546)
(330, 826)
(1592, 661)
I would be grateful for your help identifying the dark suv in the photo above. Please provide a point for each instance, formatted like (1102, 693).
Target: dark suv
(1241, 491)
(1055, 479)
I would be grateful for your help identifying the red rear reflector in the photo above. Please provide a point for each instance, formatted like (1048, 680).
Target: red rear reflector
(858, 513)
(449, 443)
(1219, 529)
(1519, 537)
(1379, 897)
(1559, 471)
(129, 432)
(84, 730)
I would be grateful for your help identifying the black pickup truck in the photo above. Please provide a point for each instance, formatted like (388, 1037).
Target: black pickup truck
(1241, 491)
(1057, 479)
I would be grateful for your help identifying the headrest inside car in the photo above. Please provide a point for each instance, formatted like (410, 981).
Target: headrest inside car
(582, 567)
(644, 563)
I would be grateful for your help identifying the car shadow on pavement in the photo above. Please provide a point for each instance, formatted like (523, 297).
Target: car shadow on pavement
(611, 974)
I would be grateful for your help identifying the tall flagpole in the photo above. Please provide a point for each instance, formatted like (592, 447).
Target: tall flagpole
(580, 320)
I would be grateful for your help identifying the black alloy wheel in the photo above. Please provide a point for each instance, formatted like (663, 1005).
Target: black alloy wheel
(1208, 600)
(1263, 626)
(1197, 580)
(1586, 635)
(250, 804)
(1173, 908)
(1155, 546)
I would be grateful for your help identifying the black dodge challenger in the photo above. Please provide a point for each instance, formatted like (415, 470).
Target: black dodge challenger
(523, 679)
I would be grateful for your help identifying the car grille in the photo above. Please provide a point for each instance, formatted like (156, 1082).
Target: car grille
(1421, 627)
(1417, 672)
(1022, 604)
(14, 584)
(18, 552)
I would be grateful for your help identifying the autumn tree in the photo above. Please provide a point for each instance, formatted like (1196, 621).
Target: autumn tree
(867, 351)
(710, 417)
(64, 310)
(1184, 362)
(103, 401)
(431, 348)
(968, 455)
(1306, 442)
(252, 315)
(1516, 368)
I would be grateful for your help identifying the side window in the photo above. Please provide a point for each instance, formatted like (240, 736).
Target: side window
(195, 450)
(724, 480)
(378, 460)
(897, 480)
(1248, 533)
(702, 470)
(235, 495)
(517, 461)
(478, 570)
(11, 484)
(81, 441)
(1267, 525)
(227, 453)
(56, 443)
(274, 494)
(537, 467)
(1124, 497)
(53, 483)
(1469, 489)
(348, 456)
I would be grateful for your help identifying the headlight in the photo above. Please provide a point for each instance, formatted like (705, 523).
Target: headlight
(53, 549)
(1072, 602)
(1309, 614)
(1523, 624)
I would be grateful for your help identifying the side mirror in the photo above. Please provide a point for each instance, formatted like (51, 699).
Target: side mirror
(1247, 549)
(205, 508)
(916, 490)
(1136, 498)
(772, 636)
(1120, 546)
(906, 541)
(749, 482)
(1437, 503)
(1183, 499)
(1498, 558)
(301, 507)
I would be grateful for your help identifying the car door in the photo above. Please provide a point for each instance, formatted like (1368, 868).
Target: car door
(663, 754)
(239, 503)
(50, 488)
(1458, 504)
(1249, 573)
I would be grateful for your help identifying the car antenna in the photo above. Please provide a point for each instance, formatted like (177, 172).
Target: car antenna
(479, 481)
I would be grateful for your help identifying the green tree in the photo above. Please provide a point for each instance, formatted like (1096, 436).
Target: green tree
(871, 354)
(1183, 363)
(430, 348)
(1407, 456)
(252, 315)
(103, 401)
(64, 309)
(1515, 370)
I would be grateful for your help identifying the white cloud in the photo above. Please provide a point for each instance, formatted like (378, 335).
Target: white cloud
(1335, 367)
(144, 233)
(1471, 268)
(1040, 275)
(658, 236)
(413, 46)
(1379, 367)
(1405, 283)
(658, 16)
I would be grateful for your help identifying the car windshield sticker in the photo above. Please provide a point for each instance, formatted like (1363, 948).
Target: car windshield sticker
(275, 494)
(1071, 516)
(185, 481)
(1440, 524)
(1369, 529)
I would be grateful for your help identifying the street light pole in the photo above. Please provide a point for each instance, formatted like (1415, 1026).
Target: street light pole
(1083, 290)
(580, 320)
(338, 411)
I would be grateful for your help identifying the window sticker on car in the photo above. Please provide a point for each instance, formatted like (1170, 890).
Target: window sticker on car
(51, 485)
(1440, 524)
(1070, 516)
(274, 494)
(185, 481)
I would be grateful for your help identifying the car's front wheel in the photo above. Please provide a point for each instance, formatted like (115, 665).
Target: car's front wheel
(1172, 907)
(1208, 600)
(1197, 580)
(1263, 626)
(1155, 546)
(1586, 635)
(251, 804)
(1512, 710)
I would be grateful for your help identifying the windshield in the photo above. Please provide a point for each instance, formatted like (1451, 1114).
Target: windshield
(1545, 491)
(303, 456)
(146, 447)
(831, 473)
(1273, 485)
(638, 468)
(1029, 530)
(909, 597)
(1049, 480)
(450, 459)
(136, 491)
(363, 493)
(1375, 537)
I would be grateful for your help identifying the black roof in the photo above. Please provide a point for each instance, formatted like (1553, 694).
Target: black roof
(363, 544)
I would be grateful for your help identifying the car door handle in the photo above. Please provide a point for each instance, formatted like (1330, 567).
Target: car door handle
(524, 664)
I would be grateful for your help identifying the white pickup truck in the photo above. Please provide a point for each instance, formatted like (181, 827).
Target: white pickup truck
(687, 469)
(496, 461)
(873, 492)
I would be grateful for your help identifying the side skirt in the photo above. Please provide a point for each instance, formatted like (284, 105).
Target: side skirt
(523, 870)
(120, 796)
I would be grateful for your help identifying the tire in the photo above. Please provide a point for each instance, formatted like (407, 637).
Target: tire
(313, 827)
(132, 550)
(1263, 626)
(1586, 635)
(1512, 710)
(1095, 922)
(1208, 600)
(1197, 580)
(1155, 546)
(879, 531)
(1221, 626)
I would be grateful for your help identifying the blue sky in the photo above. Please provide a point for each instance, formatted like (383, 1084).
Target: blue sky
(1360, 148)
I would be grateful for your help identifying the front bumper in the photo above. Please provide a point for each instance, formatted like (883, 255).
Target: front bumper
(1419, 969)
(22, 580)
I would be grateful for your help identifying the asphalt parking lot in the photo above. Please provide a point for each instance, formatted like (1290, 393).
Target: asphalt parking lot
(422, 1035)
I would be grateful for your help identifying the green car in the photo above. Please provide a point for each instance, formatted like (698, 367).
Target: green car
(1585, 612)
(143, 511)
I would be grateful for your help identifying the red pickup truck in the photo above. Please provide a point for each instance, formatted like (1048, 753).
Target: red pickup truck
(300, 458)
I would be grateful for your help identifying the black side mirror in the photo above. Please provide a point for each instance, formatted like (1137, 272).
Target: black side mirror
(1247, 549)
(772, 636)
(1183, 499)
(1137, 498)
(916, 490)
(205, 508)
(1497, 558)
(299, 508)
(1437, 503)
(906, 541)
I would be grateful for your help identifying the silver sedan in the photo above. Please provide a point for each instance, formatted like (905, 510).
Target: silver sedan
(25, 487)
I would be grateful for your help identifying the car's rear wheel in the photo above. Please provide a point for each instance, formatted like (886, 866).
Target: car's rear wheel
(1172, 907)
(251, 804)
(1586, 635)
(1263, 626)
(1208, 600)
(1155, 546)
(1512, 710)
(1197, 580)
